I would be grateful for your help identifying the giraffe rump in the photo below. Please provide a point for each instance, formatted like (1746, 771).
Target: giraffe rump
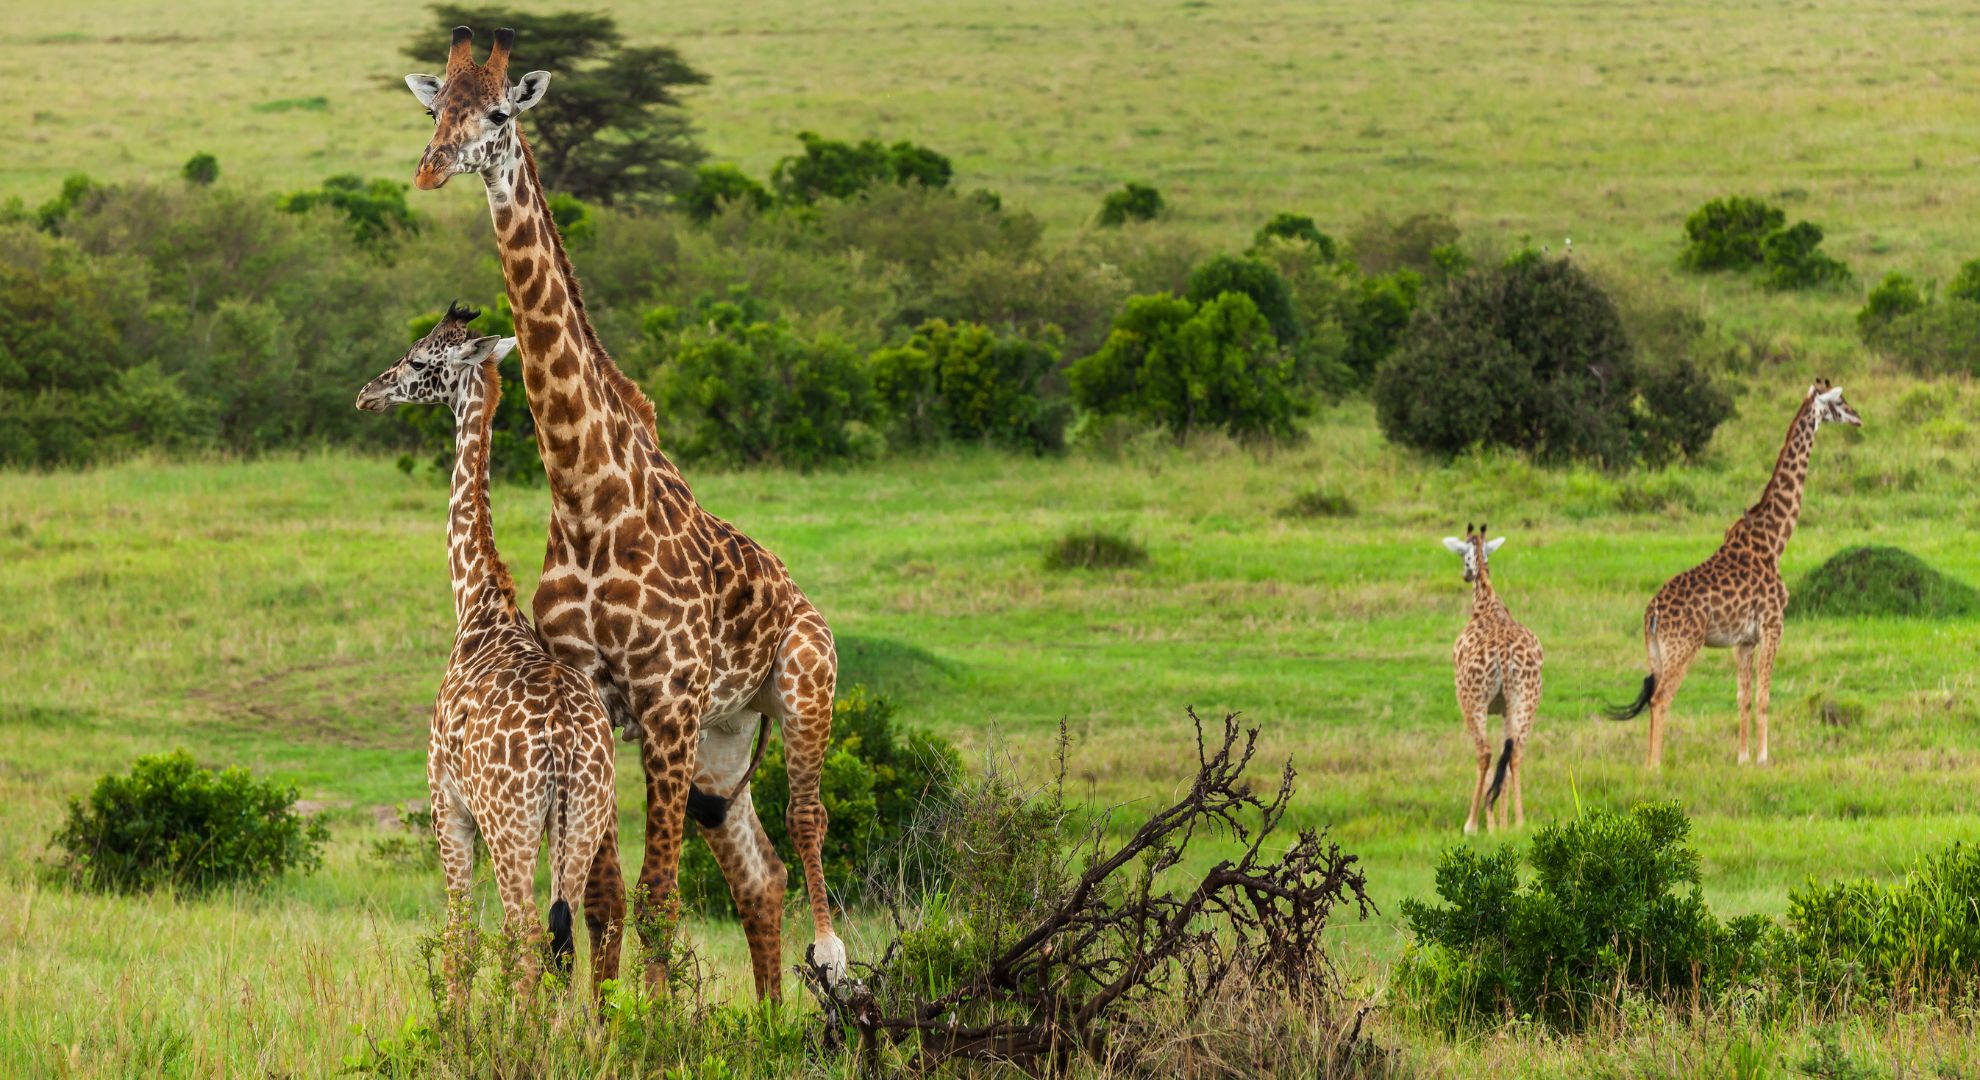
(1635, 708)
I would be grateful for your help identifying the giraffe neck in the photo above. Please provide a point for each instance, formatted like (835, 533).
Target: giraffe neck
(1483, 600)
(1769, 523)
(593, 426)
(482, 585)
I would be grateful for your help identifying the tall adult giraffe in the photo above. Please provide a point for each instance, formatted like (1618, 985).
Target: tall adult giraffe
(694, 632)
(1736, 598)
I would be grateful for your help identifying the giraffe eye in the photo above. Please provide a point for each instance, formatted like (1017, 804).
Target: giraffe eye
(498, 117)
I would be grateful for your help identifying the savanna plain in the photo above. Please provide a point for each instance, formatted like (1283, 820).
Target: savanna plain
(290, 613)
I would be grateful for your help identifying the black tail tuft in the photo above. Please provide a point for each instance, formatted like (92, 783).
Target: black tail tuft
(562, 945)
(708, 811)
(1635, 708)
(1499, 776)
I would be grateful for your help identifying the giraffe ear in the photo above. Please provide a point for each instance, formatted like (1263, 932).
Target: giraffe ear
(483, 349)
(503, 348)
(1494, 545)
(1456, 546)
(1833, 396)
(529, 90)
(424, 87)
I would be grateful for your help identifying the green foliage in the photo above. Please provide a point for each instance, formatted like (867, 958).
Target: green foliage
(746, 389)
(1893, 297)
(1254, 278)
(1186, 366)
(574, 219)
(1918, 937)
(1876, 580)
(1937, 339)
(611, 128)
(1420, 243)
(1533, 356)
(717, 186)
(833, 169)
(201, 168)
(1966, 283)
(77, 189)
(1094, 549)
(1133, 202)
(1319, 503)
(1791, 259)
(965, 382)
(876, 780)
(375, 209)
(1727, 233)
(1614, 907)
(1375, 316)
(1296, 229)
(171, 823)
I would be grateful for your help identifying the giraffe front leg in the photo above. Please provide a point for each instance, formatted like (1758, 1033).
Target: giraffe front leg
(1743, 657)
(1770, 644)
(804, 680)
(667, 753)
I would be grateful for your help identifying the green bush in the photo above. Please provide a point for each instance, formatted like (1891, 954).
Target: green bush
(1375, 316)
(832, 169)
(876, 782)
(1030, 294)
(1382, 246)
(717, 186)
(201, 169)
(1894, 297)
(1966, 283)
(1918, 937)
(965, 382)
(1881, 581)
(1791, 259)
(375, 209)
(77, 191)
(1316, 502)
(1254, 278)
(1726, 234)
(171, 823)
(1532, 355)
(1186, 367)
(1296, 229)
(1133, 202)
(1093, 549)
(1613, 908)
(749, 390)
(1937, 339)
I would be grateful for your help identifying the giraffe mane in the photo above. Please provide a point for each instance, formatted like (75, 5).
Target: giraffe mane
(631, 399)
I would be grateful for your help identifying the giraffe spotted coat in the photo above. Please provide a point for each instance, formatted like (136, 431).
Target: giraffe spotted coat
(1496, 664)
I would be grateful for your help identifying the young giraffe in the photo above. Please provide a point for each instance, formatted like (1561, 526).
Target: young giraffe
(1497, 666)
(692, 630)
(1736, 598)
(520, 745)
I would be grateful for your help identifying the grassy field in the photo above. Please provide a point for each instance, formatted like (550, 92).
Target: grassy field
(287, 615)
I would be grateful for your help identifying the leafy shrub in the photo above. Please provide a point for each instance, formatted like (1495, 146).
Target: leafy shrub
(876, 780)
(201, 169)
(1296, 229)
(832, 169)
(1877, 580)
(1382, 246)
(1375, 317)
(1133, 202)
(1791, 259)
(1726, 234)
(1966, 283)
(917, 227)
(1318, 502)
(1094, 549)
(1254, 278)
(375, 209)
(749, 390)
(1185, 366)
(965, 382)
(1532, 355)
(717, 186)
(574, 218)
(77, 190)
(1937, 339)
(174, 824)
(1614, 907)
(1917, 937)
(1893, 297)
(1027, 293)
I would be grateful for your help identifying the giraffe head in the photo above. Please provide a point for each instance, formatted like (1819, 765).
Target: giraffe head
(473, 109)
(1473, 549)
(437, 367)
(1829, 406)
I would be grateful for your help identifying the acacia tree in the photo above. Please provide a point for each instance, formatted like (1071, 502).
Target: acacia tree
(613, 128)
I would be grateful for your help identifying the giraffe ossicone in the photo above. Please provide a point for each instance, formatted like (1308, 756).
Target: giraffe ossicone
(691, 630)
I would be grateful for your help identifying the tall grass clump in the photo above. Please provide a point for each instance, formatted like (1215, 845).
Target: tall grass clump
(169, 823)
(1094, 549)
(1917, 938)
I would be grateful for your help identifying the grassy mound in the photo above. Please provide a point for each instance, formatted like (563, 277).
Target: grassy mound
(1881, 581)
(1094, 550)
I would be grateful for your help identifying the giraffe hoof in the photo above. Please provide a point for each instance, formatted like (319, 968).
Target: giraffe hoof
(1744, 757)
(1762, 759)
(1470, 827)
(829, 952)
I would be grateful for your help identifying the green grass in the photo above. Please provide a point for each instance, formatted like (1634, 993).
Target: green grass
(291, 615)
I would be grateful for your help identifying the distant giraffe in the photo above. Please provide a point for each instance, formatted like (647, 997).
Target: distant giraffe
(1497, 666)
(1736, 598)
(520, 745)
(696, 634)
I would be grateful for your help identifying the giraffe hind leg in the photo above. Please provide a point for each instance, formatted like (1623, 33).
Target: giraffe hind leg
(802, 682)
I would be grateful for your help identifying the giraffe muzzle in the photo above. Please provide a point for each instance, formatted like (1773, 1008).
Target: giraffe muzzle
(371, 399)
(434, 169)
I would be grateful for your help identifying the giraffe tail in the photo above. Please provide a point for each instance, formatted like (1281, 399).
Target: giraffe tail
(1499, 775)
(1635, 708)
(708, 811)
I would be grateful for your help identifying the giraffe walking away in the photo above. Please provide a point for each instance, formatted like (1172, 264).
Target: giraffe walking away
(1496, 662)
(696, 634)
(1736, 598)
(520, 748)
